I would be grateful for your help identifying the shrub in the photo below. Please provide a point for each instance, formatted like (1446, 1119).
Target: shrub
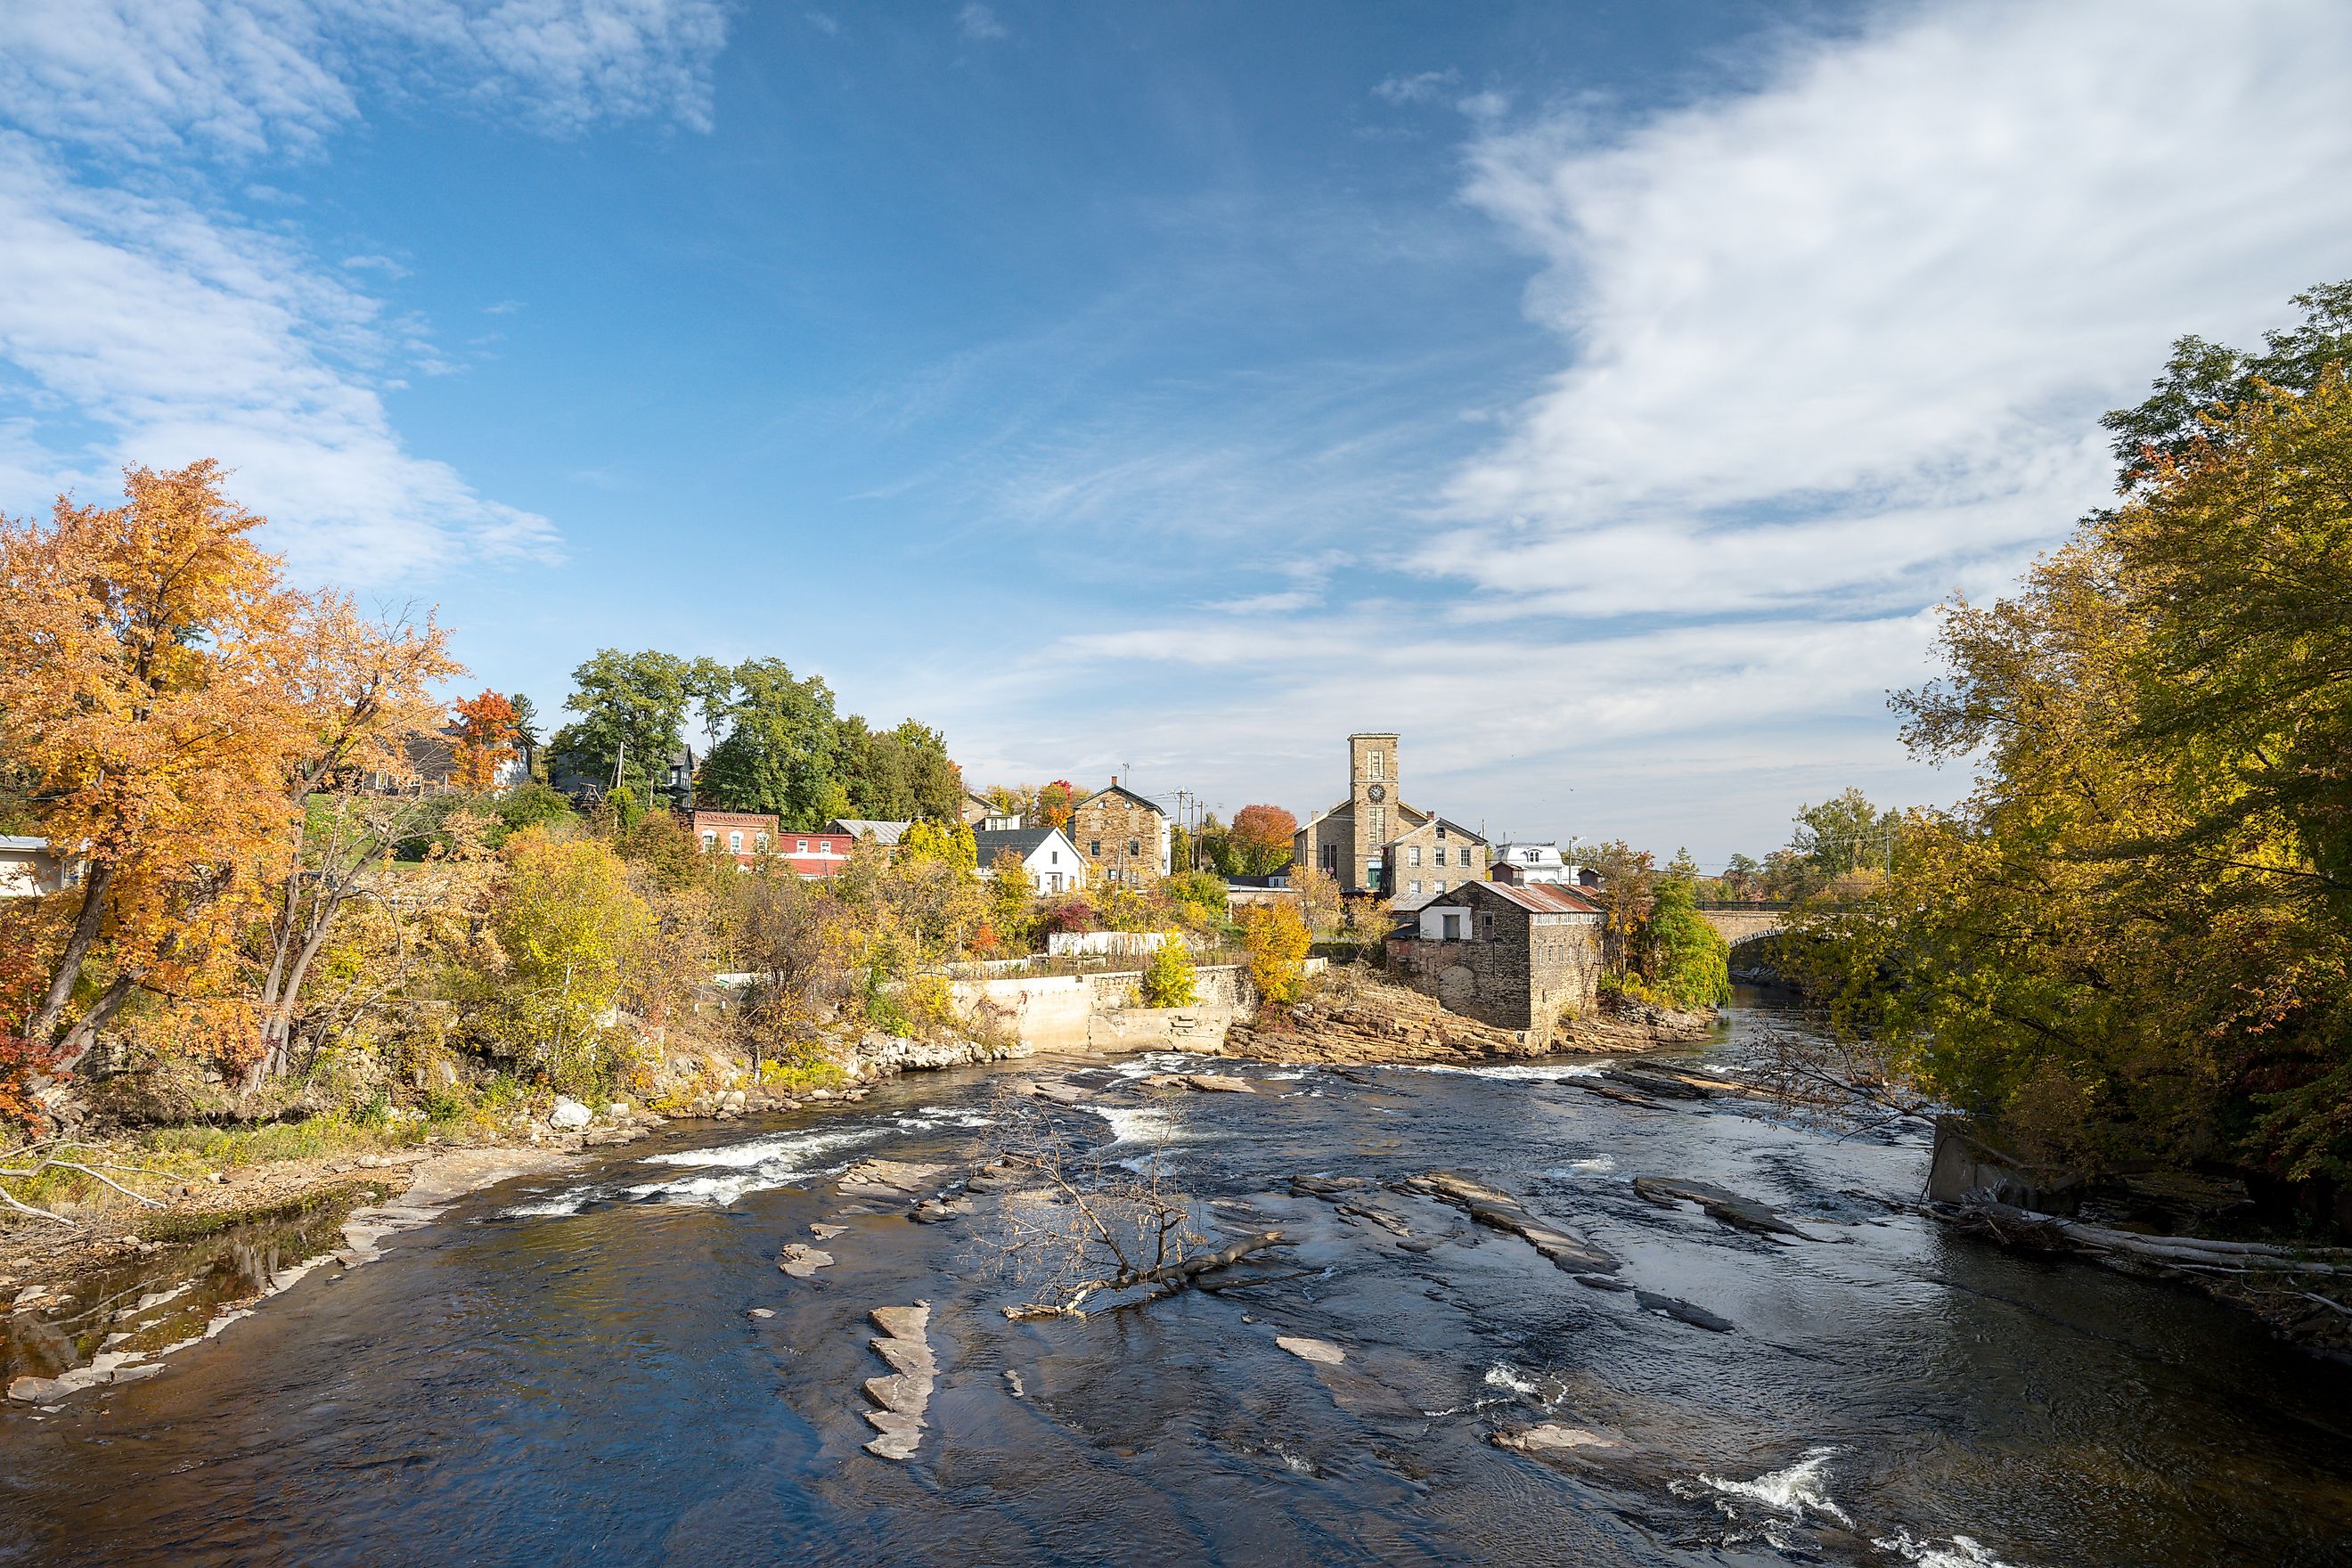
(1276, 939)
(1167, 979)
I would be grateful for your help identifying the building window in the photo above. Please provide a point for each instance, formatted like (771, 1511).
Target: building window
(1465, 855)
(1441, 830)
(1057, 856)
(1440, 884)
(735, 842)
(1135, 846)
(1416, 887)
(1413, 855)
(1375, 763)
(760, 842)
(1094, 848)
(710, 839)
(1330, 857)
(1379, 824)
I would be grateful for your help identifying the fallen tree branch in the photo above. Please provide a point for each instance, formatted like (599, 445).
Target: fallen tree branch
(2182, 1252)
(1169, 1277)
(28, 1208)
(54, 1164)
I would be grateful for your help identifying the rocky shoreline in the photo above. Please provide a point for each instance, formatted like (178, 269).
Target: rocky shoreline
(1362, 1021)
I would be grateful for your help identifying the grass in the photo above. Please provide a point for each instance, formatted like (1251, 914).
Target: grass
(151, 1164)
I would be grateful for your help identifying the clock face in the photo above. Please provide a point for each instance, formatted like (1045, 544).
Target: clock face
(1377, 794)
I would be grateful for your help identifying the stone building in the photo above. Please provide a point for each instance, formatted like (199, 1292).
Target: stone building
(1124, 837)
(1373, 842)
(1515, 957)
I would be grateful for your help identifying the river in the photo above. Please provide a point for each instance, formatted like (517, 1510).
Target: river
(565, 1370)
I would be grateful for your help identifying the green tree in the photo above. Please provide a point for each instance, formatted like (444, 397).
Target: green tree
(565, 924)
(632, 704)
(527, 736)
(1845, 834)
(782, 752)
(1689, 962)
(896, 775)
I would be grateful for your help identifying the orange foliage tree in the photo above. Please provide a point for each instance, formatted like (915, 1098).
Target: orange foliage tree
(1260, 836)
(176, 704)
(485, 740)
(1057, 803)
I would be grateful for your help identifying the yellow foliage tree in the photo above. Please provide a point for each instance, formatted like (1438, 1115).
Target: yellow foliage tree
(1276, 939)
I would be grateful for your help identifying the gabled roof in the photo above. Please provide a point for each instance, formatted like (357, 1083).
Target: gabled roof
(1120, 789)
(1023, 841)
(1459, 830)
(859, 826)
(1536, 898)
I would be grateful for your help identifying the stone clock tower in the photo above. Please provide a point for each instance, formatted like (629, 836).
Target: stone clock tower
(1372, 791)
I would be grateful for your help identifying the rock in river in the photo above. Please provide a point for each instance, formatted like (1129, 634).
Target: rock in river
(1730, 1208)
(1499, 1211)
(568, 1115)
(1550, 1439)
(802, 1261)
(1322, 1352)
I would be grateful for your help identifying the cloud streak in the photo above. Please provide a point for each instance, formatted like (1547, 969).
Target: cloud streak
(147, 321)
(1834, 345)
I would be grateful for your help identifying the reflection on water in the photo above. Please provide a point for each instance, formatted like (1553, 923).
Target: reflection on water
(572, 1375)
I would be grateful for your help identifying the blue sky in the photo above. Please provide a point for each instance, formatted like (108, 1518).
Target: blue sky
(1598, 394)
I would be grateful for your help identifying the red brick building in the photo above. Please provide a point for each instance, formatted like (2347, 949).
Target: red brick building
(749, 835)
(746, 834)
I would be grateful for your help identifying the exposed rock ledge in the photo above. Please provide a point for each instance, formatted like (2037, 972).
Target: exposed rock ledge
(1360, 1019)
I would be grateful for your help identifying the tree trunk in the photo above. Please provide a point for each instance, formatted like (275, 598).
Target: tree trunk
(84, 1033)
(45, 1019)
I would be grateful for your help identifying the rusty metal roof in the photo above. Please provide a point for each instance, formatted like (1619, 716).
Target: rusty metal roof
(1538, 898)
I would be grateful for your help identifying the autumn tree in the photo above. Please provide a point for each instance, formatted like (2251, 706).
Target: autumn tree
(565, 924)
(178, 704)
(1319, 898)
(1055, 803)
(1276, 941)
(1261, 837)
(2131, 943)
(482, 741)
(1169, 977)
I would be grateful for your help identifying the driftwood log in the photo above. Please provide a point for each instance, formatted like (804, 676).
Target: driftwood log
(2124, 1248)
(1164, 1280)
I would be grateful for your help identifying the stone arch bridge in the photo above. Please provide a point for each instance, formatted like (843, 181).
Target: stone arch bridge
(1736, 924)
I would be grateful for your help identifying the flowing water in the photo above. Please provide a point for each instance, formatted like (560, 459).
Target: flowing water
(566, 1370)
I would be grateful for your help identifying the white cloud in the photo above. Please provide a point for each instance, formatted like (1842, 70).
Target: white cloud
(1836, 344)
(1847, 334)
(183, 335)
(825, 22)
(1419, 88)
(978, 22)
(254, 77)
(149, 323)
